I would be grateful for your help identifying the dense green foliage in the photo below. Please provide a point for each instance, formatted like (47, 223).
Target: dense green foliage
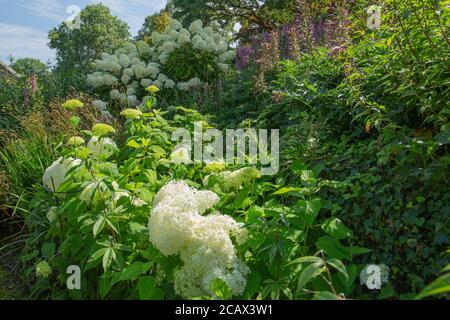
(364, 135)
(77, 48)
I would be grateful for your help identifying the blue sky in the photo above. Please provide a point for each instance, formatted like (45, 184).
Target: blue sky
(24, 24)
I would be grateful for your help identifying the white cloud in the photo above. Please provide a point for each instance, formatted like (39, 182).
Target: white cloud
(133, 12)
(51, 9)
(21, 41)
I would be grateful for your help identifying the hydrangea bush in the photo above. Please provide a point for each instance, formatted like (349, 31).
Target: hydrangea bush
(143, 222)
(176, 59)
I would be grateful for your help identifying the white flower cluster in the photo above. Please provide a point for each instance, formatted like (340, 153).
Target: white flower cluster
(235, 179)
(124, 68)
(55, 175)
(202, 39)
(139, 64)
(177, 226)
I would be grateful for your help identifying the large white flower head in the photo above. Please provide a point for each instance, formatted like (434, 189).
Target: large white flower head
(204, 243)
(104, 147)
(100, 105)
(205, 200)
(55, 175)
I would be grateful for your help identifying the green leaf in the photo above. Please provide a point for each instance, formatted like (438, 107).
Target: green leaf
(285, 190)
(253, 284)
(339, 266)
(99, 225)
(325, 295)
(438, 286)
(352, 271)
(132, 272)
(221, 289)
(107, 258)
(133, 144)
(335, 228)
(48, 249)
(147, 290)
(308, 209)
(333, 248)
(311, 271)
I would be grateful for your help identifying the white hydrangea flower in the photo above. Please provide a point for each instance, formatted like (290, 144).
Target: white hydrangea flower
(223, 66)
(175, 24)
(183, 39)
(129, 72)
(130, 47)
(135, 61)
(131, 91)
(173, 35)
(125, 79)
(205, 200)
(156, 37)
(124, 61)
(163, 58)
(114, 94)
(198, 43)
(227, 56)
(194, 82)
(162, 78)
(146, 82)
(158, 83)
(183, 86)
(143, 48)
(105, 147)
(180, 156)
(222, 46)
(107, 115)
(55, 175)
(196, 27)
(100, 105)
(176, 226)
(169, 84)
(132, 100)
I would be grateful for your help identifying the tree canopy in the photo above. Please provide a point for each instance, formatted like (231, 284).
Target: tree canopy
(77, 48)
